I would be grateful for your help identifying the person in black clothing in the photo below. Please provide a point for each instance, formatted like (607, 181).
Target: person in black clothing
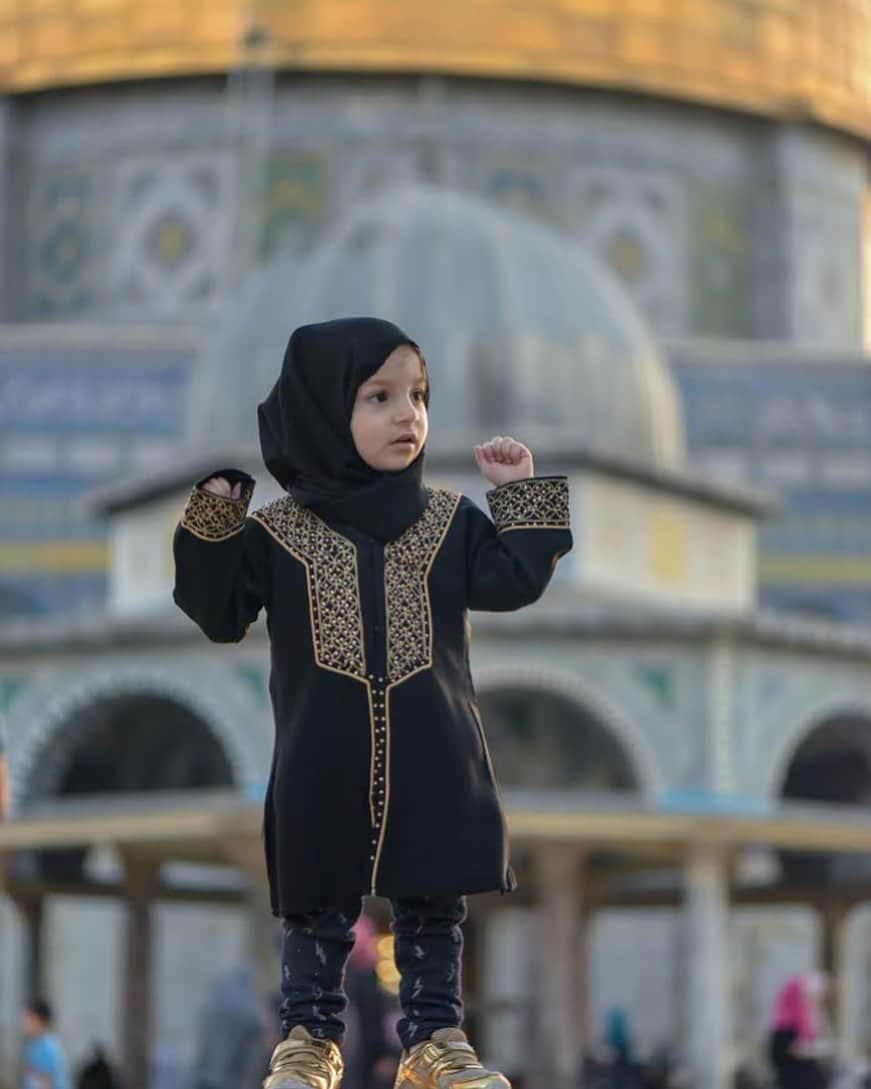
(381, 781)
(794, 1039)
(369, 1057)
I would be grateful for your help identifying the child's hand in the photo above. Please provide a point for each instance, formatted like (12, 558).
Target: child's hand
(219, 485)
(503, 460)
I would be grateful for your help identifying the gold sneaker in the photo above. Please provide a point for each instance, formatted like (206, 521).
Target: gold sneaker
(302, 1062)
(446, 1061)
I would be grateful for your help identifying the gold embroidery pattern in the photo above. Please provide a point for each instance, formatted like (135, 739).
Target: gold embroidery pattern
(536, 503)
(214, 518)
(407, 563)
(330, 561)
(379, 777)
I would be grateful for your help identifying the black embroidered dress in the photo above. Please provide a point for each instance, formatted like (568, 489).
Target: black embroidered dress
(381, 781)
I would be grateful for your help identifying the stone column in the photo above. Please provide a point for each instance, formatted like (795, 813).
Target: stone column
(833, 915)
(140, 888)
(263, 927)
(559, 966)
(32, 912)
(708, 1044)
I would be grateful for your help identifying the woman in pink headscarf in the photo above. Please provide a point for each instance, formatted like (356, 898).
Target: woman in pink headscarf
(795, 1039)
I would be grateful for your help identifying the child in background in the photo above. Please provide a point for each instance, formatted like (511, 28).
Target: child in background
(44, 1063)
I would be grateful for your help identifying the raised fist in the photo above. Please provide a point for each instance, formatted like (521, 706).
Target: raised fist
(503, 460)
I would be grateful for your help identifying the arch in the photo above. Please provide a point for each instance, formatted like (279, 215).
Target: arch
(135, 742)
(828, 763)
(224, 708)
(533, 678)
(800, 730)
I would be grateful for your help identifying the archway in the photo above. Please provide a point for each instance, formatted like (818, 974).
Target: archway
(830, 766)
(542, 740)
(548, 748)
(128, 743)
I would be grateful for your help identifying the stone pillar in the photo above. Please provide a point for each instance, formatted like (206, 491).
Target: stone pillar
(708, 1043)
(263, 927)
(560, 967)
(140, 887)
(833, 915)
(32, 912)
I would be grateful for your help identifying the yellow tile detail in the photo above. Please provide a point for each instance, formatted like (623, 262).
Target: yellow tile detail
(60, 556)
(669, 546)
(819, 570)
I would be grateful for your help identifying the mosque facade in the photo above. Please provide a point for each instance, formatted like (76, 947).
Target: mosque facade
(635, 235)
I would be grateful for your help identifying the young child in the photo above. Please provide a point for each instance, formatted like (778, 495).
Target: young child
(381, 781)
(44, 1063)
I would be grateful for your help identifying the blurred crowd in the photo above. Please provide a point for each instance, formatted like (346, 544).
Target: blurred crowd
(237, 1033)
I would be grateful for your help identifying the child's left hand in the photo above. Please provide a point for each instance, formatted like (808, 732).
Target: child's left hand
(503, 460)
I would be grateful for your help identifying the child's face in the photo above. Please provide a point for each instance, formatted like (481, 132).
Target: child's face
(389, 423)
(31, 1025)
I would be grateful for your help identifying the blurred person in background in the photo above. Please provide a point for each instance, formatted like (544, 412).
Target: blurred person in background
(799, 1045)
(624, 1071)
(233, 1034)
(4, 809)
(45, 1066)
(370, 1061)
(97, 1072)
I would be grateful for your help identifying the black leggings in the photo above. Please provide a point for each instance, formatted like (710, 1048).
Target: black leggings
(428, 949)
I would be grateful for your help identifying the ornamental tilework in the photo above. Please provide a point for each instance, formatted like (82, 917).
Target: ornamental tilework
(61, 260)
(293, 200)
(214, 518)
(363, 171)
(407, 562)
(173, 225)
(635, 221)
(536, 503)
(826, 304)
(720, 273)
(524, 185)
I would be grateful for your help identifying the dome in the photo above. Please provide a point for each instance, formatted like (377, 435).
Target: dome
(523, 331)
(796, 60)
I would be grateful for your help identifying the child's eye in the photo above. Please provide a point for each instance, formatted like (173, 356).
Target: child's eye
(380, 396)
(420, 395)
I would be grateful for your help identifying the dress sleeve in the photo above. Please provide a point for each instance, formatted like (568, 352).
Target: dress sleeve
(221, 558)
(511, 559)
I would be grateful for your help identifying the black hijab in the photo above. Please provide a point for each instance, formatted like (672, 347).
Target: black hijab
(305, 429)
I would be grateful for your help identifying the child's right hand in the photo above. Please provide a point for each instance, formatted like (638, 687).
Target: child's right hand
(219, 485)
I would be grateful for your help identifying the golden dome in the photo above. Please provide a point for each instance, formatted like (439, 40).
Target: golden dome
(783, 58)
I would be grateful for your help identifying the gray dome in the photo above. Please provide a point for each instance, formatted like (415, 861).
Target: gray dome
(523, 332)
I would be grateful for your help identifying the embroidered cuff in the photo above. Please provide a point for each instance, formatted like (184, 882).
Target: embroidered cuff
(540, 502)
(213, 517)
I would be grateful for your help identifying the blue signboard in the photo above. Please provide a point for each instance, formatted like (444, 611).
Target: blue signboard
(70, 420)
(801, 428)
